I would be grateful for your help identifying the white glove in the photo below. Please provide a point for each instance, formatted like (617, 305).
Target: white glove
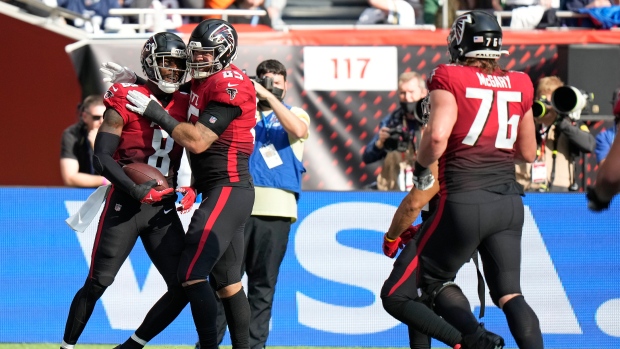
(139, 101)
(114, 73)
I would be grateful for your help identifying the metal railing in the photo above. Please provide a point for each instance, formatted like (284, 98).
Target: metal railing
(507, 14)
(55, 12)
(158, 14)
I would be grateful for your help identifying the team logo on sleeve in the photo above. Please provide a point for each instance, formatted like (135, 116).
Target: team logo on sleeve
(232, 92)
(108, 94)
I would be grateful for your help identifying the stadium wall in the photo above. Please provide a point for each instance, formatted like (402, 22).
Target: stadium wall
(330, 278)
(354, 74)
(40, 93)
(347, 84)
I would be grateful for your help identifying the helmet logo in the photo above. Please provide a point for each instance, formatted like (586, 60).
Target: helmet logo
(223, 34)
(150, 46)
(458, 28)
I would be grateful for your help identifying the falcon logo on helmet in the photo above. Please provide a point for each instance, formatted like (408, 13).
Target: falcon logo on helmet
(475, 34)
(223, 34)
(458, 28)
(212, 46)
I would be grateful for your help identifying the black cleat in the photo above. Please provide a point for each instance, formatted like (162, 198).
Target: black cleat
(483, 339)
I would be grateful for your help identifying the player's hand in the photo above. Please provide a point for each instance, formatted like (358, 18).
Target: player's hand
(146, 194)
(188, 200)
(390, 247)
(594, 202)
(423, 178)
(139, 102)
(408, 235)
(115, 74)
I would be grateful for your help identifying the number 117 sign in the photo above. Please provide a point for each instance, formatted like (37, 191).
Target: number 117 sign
(354, 68)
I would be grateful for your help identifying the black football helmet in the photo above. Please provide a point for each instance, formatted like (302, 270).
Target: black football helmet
(475, 34)
(157, 53)
(214, 37)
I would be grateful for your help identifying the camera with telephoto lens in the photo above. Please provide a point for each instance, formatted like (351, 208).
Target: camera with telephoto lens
(398, 140)
(566, 101)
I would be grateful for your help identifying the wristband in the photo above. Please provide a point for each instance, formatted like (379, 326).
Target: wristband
(388, 239)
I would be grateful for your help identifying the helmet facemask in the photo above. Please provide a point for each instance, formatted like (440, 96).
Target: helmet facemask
(174, 67)
(207, 67)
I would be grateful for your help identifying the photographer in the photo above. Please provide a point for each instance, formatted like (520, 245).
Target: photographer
(276, 167)
(399, 136)
(561, 138)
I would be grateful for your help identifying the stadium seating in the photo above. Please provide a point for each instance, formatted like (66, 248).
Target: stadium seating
(323, 11)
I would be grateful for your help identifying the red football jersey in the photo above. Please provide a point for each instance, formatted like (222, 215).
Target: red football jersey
(480, 151)
(144, 141)
(226, 160)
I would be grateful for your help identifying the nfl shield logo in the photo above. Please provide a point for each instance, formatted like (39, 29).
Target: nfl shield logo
(212, 119)
(118, 207)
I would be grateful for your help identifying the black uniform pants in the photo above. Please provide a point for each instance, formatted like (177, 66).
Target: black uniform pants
(488, 221)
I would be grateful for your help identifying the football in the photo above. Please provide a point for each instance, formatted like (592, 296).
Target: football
(141, 173)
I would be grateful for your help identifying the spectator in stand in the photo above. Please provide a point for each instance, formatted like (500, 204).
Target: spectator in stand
(399, 12)
(433, 13)
(576, 5)
(97, 10)
(214, 4)
(606, 138)
(78, 142)
(274, 10)
(249, 5)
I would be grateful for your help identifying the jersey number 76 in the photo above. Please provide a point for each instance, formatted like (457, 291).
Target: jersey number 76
(505, 137)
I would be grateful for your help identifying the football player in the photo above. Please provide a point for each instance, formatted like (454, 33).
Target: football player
(219, 137)
(480, 124)
(132, 210)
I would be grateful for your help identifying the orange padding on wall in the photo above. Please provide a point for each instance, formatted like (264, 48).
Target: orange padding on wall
(249, 35)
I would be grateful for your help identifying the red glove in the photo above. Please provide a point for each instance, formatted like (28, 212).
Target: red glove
(188, 200)
(390, 247)
(154, 196)
(146, 194)
(408, 234)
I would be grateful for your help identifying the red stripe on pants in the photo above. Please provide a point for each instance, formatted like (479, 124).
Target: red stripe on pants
(219, 206)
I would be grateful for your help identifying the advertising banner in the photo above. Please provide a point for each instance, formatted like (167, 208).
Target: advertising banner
(328, 290)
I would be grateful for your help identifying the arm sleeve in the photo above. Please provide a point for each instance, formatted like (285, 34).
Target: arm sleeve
(602, 146)
(105, 165)
(217, 116)
(578, 135)
(67, 145)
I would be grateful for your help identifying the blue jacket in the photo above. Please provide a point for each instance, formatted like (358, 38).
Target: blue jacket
(372, 153)
(286, 176)
(603, 17)
(603, 143)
